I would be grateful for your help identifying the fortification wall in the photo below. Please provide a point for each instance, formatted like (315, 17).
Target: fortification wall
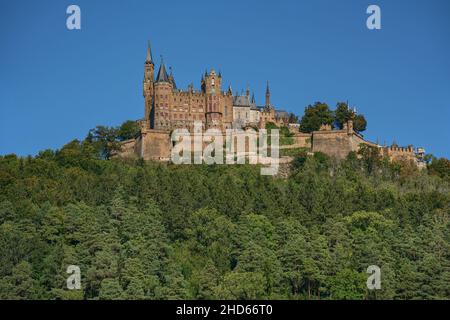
(336, 143)
(302, 140)
(127, 149)
(154, 145)
(401, 154)
(157, 145)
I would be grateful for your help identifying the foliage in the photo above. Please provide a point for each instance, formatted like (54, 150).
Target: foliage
(106, 140)
(316, 115)
(440, 167)
(284, 133)
(128, 130)
(319, 114)
(343, 114)
(143, 230)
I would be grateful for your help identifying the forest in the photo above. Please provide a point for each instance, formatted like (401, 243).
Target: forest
(147, 230)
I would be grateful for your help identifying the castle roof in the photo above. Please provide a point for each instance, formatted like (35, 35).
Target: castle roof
(149, 58)
(241, 101)
(162, 73)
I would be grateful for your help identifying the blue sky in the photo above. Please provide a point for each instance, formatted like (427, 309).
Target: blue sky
(56, 84)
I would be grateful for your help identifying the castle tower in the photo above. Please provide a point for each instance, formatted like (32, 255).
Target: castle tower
(212, 84)
(267, 96)
(148, 89)
(163, 99)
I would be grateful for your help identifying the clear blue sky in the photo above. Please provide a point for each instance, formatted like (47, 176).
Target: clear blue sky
(56, 84)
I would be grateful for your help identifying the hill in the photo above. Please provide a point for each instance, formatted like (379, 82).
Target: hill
(143, 230)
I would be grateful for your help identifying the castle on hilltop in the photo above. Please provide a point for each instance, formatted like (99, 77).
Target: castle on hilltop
(167, 108)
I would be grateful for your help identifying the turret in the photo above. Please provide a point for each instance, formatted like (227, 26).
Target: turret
(212, 88)
(163, 98)
(267, 95)
(148, 89)
(162, 73)
(213, 83)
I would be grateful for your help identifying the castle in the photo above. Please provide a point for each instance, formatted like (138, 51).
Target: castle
(167, 108)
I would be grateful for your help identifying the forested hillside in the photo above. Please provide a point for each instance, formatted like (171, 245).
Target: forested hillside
(159, 231)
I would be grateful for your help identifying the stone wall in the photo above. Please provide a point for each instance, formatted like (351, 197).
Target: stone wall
(334, 143)
(127, 149)
(157, 145)
(154, 145)
(302, 140)
(402, 154)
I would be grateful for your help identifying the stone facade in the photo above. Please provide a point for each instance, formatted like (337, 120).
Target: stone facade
(167, 107)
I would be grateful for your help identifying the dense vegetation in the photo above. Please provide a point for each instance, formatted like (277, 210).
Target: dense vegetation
(319, 114)
(159, 231)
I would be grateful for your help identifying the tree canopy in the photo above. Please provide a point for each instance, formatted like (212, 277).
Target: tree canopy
(144, 230)
(319, 113)
(316, 115)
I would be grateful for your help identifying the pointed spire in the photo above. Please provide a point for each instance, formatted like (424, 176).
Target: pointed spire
(162, 73)
(230, 91)
(253, 98)
(149, 58)
(267, 96)
(172, 79)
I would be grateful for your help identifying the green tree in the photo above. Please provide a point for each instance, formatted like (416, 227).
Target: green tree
(440, 167)
(359, 123)
(316, 115)
(128, 130)
(105, 140)
(238, 285)
(343, 114)
(20, 285)
(111, 289)
(348, 285)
